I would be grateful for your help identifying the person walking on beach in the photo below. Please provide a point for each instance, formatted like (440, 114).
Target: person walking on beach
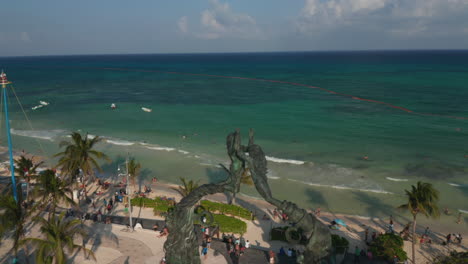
(205, 249)
(357, 254)
(427, 231)
(459, 218)
(449, 238)
(272, 257)
(208, 242)
(275, 214)
(366, 234)
(99, 216)
(105, 202)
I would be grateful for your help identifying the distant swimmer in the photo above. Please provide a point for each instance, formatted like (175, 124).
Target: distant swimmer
(113, 106)
(365, 157)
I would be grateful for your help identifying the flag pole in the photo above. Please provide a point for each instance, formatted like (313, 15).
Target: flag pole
(4, 83)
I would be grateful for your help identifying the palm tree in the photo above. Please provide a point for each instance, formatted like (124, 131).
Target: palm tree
(79, 154)
(187, 187)
(59, 234)
(52, 190)
(133, 170)
(26, 169)
(423, 199)
(12, 217)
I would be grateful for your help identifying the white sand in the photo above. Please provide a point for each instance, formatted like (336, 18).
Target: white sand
(149, 249)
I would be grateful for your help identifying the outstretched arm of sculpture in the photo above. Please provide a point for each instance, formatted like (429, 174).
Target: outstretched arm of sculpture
(319, 243)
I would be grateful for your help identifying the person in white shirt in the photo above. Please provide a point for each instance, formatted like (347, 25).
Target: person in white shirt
(247, 244)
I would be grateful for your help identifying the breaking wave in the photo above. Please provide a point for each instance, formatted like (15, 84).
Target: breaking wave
(290, 161)
(40, 134)
(119, 142)
(396, 179)
(342, 187)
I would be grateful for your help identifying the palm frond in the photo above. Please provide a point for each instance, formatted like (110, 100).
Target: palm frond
(423, 199)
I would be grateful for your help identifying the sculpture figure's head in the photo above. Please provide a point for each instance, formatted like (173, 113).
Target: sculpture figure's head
(233, 143)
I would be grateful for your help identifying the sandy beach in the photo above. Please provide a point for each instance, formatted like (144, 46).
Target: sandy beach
(113, 244)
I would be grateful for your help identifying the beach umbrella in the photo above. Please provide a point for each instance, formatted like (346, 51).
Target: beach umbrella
(340, 222)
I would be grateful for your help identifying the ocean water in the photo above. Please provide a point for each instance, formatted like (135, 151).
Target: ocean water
(315, 140)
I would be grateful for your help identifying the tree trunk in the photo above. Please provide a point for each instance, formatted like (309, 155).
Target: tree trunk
(413, 240)
(51, 210)
(27, 192)
(26, 252)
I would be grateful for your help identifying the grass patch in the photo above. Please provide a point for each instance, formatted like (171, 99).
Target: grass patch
(227, 209)
(227, 224)
(159, 205)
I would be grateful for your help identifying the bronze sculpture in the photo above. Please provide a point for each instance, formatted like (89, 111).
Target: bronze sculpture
(181, 246)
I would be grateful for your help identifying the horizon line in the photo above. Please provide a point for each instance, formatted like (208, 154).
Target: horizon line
(231, 52)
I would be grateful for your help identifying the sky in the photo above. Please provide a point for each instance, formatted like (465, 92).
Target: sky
(58, 27)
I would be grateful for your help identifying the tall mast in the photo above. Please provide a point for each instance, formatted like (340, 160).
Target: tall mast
(128, 195)
(4, 81)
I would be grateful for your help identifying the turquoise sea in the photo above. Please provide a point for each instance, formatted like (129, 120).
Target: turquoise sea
(315, 140)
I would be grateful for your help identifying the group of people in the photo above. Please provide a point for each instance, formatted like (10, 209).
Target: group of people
(236, 246)
(109, 205)
(361, 253)
(290, 252)
(206, 244)
(454, 237)
(282, 216)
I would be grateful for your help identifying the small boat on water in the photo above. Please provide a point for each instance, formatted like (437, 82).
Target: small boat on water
(37, 107)
(146, 109)
(43, 103)
(113, 106)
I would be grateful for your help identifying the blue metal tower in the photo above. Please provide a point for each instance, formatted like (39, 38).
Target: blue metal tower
(4, 82)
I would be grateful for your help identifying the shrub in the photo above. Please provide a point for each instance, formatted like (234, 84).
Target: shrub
(227, 209)
(388, 245)
(227, 224)
(159, 205)
(339, 243)
(453, 258)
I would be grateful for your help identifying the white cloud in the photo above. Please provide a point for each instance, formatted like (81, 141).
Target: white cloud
(221, 21)
(404, 17)
(340, 8)
(183, 24)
